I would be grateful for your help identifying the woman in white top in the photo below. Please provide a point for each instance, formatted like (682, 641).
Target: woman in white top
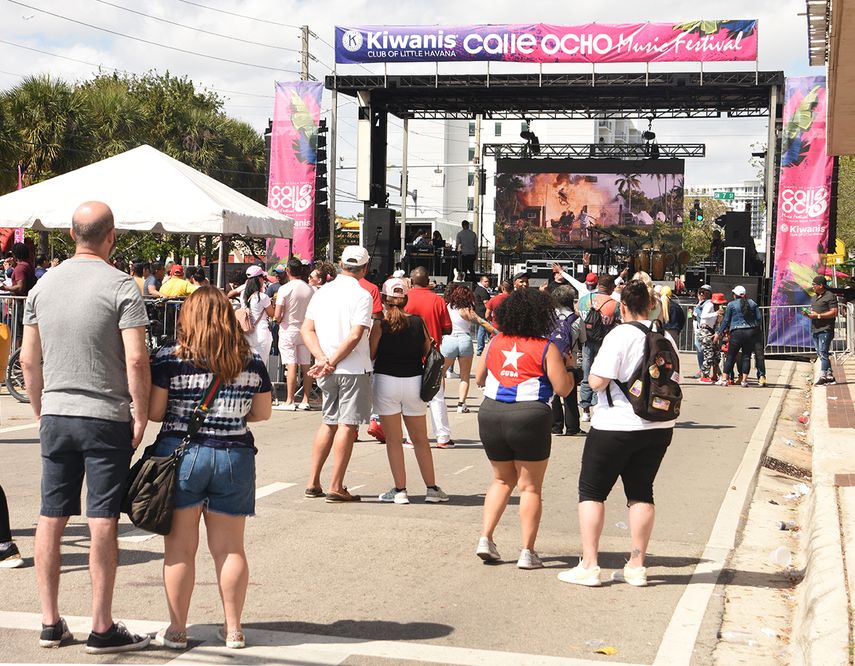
(458, 344)
(620, 444)
(261, 309)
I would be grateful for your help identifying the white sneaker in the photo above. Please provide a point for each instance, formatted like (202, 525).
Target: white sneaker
(529, 560)
(285, 407)
(435, 496)
(487, 550)
(585, 417)
(396, 496)
(462, 409)
(408, 444)
(579, 575)
(635, 576)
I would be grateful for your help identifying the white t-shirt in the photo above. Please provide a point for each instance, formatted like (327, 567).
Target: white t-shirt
(708, 314)
(620, 355)
(294, 297)
(258, 304)
(336, 309)
(459, 325)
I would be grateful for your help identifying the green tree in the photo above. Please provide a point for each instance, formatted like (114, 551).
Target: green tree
(846, 202)
(698, 235)
(626, 184)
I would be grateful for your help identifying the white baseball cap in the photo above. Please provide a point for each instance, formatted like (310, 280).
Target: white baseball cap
(355, 255)
(255, 271)
(739, 290)
(398, 274)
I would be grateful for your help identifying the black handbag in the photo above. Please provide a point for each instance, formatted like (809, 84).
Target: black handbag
(432, 372)
(149, 499)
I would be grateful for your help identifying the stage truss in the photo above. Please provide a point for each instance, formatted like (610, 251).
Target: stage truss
(625, 151)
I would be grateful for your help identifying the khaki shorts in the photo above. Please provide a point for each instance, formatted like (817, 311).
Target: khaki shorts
(347, 399)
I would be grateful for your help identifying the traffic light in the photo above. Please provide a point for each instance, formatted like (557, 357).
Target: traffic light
(692, 214)
(321, 212)
(700, 214)
(696, 214)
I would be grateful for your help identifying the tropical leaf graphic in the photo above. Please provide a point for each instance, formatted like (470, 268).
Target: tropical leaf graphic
(796, 147)
(301, 117)
(736, 28)
(795, 152)
(699, 27)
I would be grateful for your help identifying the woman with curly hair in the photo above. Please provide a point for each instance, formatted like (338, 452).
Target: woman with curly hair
(215, 479)
(322, 273)
(458, 344)
(520, 370)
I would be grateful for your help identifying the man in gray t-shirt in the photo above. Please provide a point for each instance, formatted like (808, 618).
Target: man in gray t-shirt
(85, 361)
(467, 246)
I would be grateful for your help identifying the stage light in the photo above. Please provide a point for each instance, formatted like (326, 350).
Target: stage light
(648, 136)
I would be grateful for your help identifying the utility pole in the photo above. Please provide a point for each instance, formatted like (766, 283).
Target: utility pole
(304, 53)
(404, 183)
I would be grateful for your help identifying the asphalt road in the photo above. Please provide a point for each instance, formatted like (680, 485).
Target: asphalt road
(343, 581)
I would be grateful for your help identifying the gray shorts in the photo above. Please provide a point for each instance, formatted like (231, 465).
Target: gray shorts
(347, 399)
(74, 446)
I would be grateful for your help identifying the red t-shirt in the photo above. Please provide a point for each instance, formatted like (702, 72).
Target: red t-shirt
(25, 273)
(429, 306)
(493, 305)
(371, 288)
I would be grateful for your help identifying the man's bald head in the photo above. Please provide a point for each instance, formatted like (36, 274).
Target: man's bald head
(91, 223)
(419, 276)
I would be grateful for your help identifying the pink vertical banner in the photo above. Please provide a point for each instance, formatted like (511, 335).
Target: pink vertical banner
(19, 233)
(804, 204)
(293, 144)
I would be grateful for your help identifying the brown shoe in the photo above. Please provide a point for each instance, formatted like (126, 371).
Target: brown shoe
(313, 493)
(344, 496)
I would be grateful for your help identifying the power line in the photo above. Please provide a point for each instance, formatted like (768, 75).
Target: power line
(244, 16)
(152, 43)
(194, 28)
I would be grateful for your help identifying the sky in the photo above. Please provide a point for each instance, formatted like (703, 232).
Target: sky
(257, 42)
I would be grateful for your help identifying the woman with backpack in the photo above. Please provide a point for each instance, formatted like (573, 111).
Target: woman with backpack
(398, 346)
(260, 307)
(742, 321)
(520, 369)
(215, 478)
(621, 443)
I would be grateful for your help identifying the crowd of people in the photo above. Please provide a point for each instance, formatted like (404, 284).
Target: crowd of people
(547, 359)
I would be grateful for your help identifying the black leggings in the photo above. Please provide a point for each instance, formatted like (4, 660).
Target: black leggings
(515, 431)
(741, 340)
(5, 531)
(633, 456)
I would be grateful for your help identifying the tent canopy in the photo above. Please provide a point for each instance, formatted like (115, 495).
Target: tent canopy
(147, 191)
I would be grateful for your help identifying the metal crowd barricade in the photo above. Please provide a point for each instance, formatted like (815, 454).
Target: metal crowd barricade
(12, 310)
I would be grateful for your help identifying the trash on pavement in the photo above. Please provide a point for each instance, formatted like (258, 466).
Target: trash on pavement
(607, 650)
(621, 525)
(781, 556)
(787, 525)
(789, 442)
(804, 419)
(799, 490)
(738, 636)
(768, 631)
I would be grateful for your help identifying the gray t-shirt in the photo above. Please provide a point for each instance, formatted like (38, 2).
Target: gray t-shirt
(80, 308)
(468, 241)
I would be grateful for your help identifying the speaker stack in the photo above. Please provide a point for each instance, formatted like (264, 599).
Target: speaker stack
(380, 241)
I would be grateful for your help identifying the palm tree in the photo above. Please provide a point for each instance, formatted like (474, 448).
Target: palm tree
(626, 183)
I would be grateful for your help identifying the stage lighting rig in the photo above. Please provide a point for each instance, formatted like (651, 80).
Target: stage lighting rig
(651, 148)
(532, 143)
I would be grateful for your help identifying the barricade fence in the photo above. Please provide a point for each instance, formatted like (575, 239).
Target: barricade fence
(13, 317)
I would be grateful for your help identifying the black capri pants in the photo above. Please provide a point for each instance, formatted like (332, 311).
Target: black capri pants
(516, 430)
(633, 456)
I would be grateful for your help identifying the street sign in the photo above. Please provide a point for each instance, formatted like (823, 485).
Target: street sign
(723, 196)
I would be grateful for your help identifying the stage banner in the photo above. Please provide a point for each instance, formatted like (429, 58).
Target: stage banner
(804, 200)
(693, 41)
(293, 143)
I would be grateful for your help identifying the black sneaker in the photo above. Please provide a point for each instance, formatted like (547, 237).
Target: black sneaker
(829, 379)
(116, 639)
(53, 635)
(822, 381)
(10, 557)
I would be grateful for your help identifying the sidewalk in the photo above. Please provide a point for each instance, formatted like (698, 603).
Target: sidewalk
(823, 619)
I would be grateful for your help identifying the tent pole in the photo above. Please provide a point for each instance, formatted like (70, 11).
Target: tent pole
(221, 273)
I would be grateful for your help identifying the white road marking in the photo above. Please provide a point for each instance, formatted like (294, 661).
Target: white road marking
(137, 536)
(26, 426)
(460, 471)
(356, 487)
(678, 641)
(296, 648)
(271, 488)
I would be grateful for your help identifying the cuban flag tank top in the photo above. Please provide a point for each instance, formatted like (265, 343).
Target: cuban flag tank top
(516, 370)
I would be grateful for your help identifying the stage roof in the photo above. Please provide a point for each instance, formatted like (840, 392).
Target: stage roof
(569, 96)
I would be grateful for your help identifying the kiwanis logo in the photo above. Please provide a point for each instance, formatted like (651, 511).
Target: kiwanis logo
(785, 227)
(352, 40)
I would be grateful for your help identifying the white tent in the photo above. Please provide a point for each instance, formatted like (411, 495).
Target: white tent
(147, 191)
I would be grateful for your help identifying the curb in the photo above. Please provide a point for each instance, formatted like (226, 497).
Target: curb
(821, 624)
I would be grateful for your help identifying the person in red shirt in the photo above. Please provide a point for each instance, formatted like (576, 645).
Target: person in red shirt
(23, 275)
(431, 308)
(376, 304)
(494, 303)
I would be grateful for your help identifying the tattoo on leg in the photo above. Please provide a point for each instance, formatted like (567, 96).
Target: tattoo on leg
(635, 552)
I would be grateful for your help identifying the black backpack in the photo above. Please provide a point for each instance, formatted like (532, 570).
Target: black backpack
(596, 326)
(653, 389)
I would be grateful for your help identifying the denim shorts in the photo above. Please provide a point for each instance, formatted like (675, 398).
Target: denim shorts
(73, 446)
(221, 480)
(457, 345)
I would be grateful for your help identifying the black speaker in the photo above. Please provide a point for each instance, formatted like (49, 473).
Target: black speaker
(734, 260)
(380, 240)
(737, 229)
(695, 277)
(726, 283)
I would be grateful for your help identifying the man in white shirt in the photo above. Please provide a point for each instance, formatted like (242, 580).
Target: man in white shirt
(292, 301)
(467, 246)
(336, 331)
